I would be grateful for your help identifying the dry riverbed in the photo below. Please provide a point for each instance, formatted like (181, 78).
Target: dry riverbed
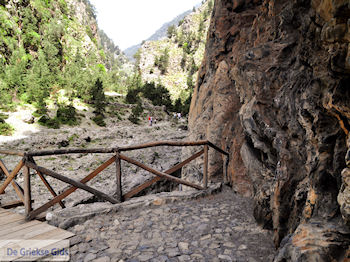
(118, 132)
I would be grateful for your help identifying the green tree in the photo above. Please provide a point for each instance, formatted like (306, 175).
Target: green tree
(158, 94)
(163, 61)
(171, 31)
(136, 113)
(98, 98)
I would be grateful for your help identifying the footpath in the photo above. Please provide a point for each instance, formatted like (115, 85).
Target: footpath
(214, 228)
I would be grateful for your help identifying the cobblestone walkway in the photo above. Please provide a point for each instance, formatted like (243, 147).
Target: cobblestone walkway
(214, 228)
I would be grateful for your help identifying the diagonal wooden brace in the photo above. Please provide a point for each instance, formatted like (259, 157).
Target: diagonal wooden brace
(46, 183)
(150, 182)
(160, 174)
(11, 176)
(70, 190)
(72, 182)
(18, 189)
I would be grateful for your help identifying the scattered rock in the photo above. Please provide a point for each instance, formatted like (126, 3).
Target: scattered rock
(63, 143)
(102, 259)
(89, 257)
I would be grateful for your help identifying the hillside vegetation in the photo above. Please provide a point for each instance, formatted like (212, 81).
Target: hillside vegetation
(54, 59)
(52, 54)
(173, 61)
(160, 33)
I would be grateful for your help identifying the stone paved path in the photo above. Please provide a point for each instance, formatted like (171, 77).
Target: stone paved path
(214, 228)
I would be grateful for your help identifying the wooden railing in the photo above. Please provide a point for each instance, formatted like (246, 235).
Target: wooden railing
(27, 162)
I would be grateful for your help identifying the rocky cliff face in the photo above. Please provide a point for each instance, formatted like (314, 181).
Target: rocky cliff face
(184, 48)
(274, 90)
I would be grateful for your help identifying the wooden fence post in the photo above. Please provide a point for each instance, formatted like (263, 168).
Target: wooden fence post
(27, 191)
(205, 167)
(119, 193)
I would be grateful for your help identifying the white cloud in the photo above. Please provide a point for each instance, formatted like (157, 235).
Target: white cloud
(128, 22)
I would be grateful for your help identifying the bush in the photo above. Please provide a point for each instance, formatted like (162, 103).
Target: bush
(178, 105)
(99, 120)
(97, 97)
(99, 101)
(171, 31)
(186, 106)
(189, 81)
(5, 129)
(132, 97)
(135, 113)
(49, 122)
(67, 115)
(159, 95)
(162, 62)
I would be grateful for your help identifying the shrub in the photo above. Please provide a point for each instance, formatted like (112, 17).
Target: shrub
(186, 105)
(162, 62)
(5, 128)
(49, 122)
(67, 115)
(132, 97)
(99, 120)
(171, 31)
(190, 83)
(135, 113)
(183, 60)
(178, 105)
(159, 95)
(97, 97)
(99, 101)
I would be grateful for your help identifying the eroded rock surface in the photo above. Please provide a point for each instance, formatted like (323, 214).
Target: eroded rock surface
(274, 91)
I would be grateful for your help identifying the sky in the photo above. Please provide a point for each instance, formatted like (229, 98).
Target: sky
(128, 22)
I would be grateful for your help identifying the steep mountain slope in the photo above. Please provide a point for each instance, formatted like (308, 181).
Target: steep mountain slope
(273, 90)
(48, 46)
(113, 57)
(173, 61)
(160, 33)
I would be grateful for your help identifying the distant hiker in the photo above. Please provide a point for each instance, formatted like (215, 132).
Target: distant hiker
(179, 115)
(155, 120)
(175, 115)
(150, 120)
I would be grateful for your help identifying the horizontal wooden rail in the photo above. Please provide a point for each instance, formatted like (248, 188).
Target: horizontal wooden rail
(162, 143)
(112, 150)
(11, 152)
(71, 151)
(158, 173)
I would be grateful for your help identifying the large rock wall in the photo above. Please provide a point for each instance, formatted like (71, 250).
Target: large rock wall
(274, 90)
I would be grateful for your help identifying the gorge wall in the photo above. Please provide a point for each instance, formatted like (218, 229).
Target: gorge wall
(274, 91)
